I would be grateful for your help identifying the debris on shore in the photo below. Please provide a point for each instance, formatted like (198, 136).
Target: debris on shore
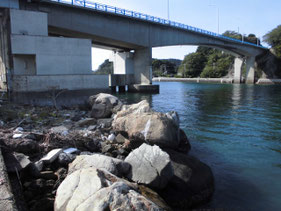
(109, 157)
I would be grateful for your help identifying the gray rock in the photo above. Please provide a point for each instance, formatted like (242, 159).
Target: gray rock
(192, 183)
(153, 128)
(94, 189)
(86, 153)
(93, 145)
(16, 162)
(113, 165)
(104, 105)
(105, 123)
(173, 115)
(86, 122)
(120, 139)
(62, 130)
(150, 166)
(27, 147)
(65, 158)
(184, 145)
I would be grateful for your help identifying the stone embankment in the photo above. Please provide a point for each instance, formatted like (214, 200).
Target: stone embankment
(110, 157)
(196, 80)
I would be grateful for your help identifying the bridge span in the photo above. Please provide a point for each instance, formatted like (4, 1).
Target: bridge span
(48, 43)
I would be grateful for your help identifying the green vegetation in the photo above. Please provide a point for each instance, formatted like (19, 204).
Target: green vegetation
(273, 38)
(211, 63)
(165, 67)
(105, 68)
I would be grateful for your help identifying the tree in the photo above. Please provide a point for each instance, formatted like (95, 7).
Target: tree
(165, 67)
(217, 66)
(192, 65)
(105, 68)
(273, 38)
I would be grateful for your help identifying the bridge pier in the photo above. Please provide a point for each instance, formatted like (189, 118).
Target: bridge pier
(143, 66)
(238, 63)
(138, 65)
(250, 70)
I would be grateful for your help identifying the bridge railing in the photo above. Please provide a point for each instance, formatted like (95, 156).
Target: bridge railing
(138, 15)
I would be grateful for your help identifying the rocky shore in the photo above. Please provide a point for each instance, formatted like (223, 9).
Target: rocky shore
(104, 156)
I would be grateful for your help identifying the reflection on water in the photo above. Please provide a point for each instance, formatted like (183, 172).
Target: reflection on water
(236, 129)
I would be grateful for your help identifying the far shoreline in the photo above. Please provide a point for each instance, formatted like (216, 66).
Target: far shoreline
(261, 81)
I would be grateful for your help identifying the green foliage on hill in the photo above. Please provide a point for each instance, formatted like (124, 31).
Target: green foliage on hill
(105, 68)
(211, 63)
(165, 67)
(273, 38)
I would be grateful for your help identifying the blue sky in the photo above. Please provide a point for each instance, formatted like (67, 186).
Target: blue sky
(247, 16)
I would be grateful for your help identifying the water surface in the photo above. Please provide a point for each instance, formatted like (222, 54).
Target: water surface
(236, 130)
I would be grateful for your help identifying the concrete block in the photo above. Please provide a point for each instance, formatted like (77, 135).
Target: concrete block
(29, 22)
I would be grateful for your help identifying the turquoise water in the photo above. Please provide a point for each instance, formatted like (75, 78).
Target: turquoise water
(236, 130)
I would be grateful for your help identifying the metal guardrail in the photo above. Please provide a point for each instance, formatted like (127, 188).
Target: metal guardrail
(145, 17)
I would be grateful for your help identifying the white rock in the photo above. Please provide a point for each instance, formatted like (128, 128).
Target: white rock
(92, 189)
(17, 135)
(18, 129)
(70, 150)
(51, 156)
(113, 165)
(111, 137)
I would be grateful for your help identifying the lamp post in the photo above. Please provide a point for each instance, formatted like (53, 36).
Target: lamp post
(218, 10)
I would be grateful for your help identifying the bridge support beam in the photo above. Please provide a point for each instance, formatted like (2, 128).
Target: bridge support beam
(238, 63)
(143, 66)
(250, 70)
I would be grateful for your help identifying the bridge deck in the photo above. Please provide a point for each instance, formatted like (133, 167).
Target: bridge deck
(132, 14)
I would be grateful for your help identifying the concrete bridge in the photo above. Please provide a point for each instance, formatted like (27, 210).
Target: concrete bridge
(47, 43)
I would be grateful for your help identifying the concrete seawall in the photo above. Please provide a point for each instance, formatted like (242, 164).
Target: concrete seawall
(268, 81)
(196, 80)
(7, 202)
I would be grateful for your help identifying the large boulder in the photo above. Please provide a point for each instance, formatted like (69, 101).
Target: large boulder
(103, 105)
(150, 166)
(138, 108)
(152, 127)
(95, 189)
(192, 183)
(113, 165)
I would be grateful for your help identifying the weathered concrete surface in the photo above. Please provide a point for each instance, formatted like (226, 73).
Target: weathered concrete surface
(54, 55)
(57, 82)
(7, 202)
(29, 22)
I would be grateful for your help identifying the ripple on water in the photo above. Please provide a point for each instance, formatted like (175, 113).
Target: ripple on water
(236, 129)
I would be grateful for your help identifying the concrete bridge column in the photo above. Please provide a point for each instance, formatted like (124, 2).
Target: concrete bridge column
(143, 66)
(238, 63)
(250, 70)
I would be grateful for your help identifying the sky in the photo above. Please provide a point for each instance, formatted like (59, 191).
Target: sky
(246, 16)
